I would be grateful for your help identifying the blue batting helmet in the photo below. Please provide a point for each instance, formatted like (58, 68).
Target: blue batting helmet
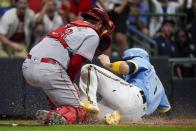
(135, 52)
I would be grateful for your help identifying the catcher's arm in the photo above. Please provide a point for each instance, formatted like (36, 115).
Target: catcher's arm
(118, 67)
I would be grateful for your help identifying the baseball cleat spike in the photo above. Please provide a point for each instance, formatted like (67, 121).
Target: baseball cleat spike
(42, 115)
(52, 118)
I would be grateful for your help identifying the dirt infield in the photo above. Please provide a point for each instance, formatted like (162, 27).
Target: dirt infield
(153, 120)
(178, 120)
(163, 121)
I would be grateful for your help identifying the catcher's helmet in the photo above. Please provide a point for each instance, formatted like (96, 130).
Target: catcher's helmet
(135, 52)
(102, 16)
(108, 26)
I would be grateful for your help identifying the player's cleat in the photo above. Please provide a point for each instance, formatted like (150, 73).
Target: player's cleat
(90, 107)
(42, 115)
(50, 117)
(56, 118)
(113, 118)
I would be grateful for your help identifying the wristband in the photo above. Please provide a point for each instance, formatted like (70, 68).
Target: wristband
(116, 67)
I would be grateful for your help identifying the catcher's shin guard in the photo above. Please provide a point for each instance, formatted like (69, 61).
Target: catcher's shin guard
(62, 115)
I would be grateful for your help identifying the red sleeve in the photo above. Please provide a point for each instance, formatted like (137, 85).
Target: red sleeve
(75, 65)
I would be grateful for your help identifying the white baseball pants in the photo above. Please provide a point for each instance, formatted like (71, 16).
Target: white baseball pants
(116, 93)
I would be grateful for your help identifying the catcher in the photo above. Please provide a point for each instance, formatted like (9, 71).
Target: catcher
(141, 93)
(54, 63)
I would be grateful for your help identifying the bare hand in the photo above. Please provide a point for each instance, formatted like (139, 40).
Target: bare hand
(135, 9)
(105, 60)
(45, 7)
(17, 46)
(66, 3)
(118, 10)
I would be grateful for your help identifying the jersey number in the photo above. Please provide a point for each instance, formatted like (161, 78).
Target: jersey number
(66, 33)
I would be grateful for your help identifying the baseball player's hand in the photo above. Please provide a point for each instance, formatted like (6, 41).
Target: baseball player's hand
(17, 46)
(105, 60)
(45, 7)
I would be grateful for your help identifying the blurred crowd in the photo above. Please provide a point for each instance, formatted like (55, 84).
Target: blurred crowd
(23, 23)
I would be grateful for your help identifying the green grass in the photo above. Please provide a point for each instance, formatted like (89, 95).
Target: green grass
(97, 128)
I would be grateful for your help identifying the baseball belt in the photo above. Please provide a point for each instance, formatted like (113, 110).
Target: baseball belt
(44, 60)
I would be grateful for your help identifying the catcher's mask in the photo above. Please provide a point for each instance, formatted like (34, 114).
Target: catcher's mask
(107, 26)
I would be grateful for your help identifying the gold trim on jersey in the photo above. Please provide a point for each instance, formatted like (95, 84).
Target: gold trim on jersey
(164, 110)
(136, 66)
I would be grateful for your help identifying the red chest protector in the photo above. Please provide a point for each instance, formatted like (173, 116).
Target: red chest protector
(60, 33)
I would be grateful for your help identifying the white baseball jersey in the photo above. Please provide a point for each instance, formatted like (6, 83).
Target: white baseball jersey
(51, 24)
